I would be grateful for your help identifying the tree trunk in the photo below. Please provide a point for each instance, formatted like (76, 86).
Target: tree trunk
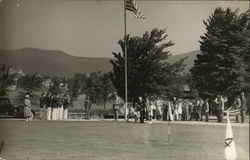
(104, 106)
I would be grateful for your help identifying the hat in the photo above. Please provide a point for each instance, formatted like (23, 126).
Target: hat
(27, 96)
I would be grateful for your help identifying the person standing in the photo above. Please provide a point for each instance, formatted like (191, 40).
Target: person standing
(169, 111)
(173, 105)
(28, 115)
(159, 107)
(192, 110)
(221, 102)
(60, 107)
(206, 109)
(87, 105)
(126, 107)
(136, 111)
(165, 110)
(147, 103)
(243, 107)
(237, 105)
(116, 106)
(217, 107)
(142, 106)
(42, 107)
(175, 109)
(185, 112)
(154, 110)
(66, 102)
(49, 105)
(54, 107)
(179, 109)
(196, 108)
(199, 108)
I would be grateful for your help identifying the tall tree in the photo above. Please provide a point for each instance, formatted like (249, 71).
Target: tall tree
(6, 79)
(221, 66)
(30, 82)
(57, 86)
(107, 89)
(245, 22)
(148, 70)
(92, 87)
(76, 85)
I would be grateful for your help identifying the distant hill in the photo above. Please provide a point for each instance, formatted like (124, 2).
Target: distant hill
(54, 62)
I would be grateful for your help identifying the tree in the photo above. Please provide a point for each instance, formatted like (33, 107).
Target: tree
(245, 21)
(57, 86)
(107, 89)
(30, 82)
(97, 86)
(76, 85)
(221, 66)
(92, 87)
(92, 90)
(6, 79)
(149, 73)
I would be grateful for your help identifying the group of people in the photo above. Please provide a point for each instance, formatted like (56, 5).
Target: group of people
(179, 109)
(54, 106)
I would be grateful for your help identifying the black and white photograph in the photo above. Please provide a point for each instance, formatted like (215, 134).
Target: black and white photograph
(124, 79)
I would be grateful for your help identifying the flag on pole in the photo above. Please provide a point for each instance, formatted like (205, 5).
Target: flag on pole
(132, 6)
(230, 150)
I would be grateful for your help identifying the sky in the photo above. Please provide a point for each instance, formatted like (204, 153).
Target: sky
(92, 28)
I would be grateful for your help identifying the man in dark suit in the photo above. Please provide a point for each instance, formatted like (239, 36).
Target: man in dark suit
(141, 105)
(87, 106)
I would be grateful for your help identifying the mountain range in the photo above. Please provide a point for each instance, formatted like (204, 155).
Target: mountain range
(55, 62)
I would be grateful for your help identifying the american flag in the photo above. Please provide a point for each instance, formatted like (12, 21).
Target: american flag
(132, 6)
(233, 111)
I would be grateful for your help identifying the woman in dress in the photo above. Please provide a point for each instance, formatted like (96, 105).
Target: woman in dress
(159, 106)
(179, 109)
(28, 115)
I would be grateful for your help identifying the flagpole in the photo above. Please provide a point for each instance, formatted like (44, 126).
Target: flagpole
(125, 56)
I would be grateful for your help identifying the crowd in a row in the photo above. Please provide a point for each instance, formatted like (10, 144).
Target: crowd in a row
(55, 107)
(179, 109)
(52, 107)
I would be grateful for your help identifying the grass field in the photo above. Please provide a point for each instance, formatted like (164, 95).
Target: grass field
(98, 140)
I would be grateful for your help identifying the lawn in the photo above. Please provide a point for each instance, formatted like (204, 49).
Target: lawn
(98, 140)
